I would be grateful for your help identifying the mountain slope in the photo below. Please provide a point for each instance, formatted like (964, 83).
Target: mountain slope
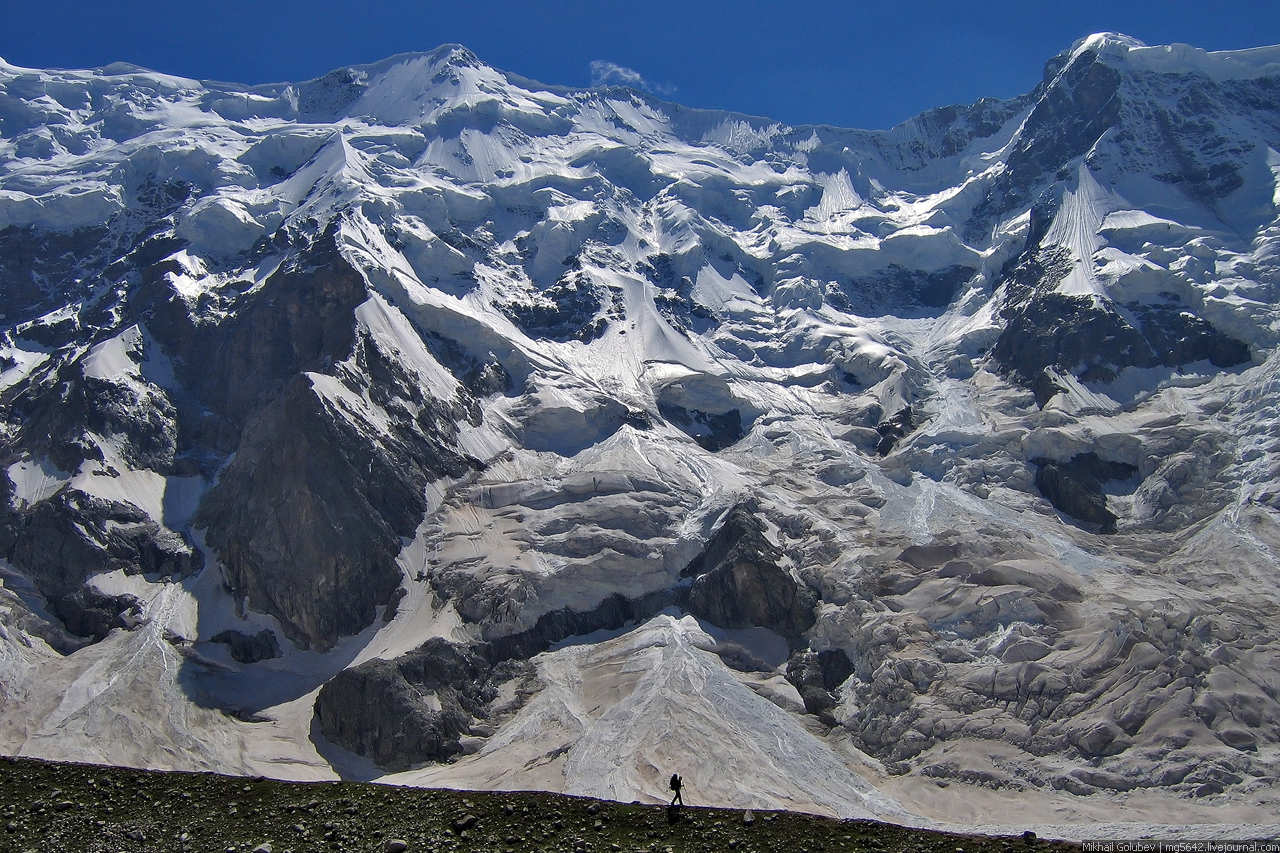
(425, 412)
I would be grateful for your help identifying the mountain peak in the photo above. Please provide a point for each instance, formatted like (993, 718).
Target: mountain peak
(1101, 42)
(1178, 58)
(432, 368)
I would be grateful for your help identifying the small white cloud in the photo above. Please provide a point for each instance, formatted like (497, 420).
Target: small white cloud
(612, 74)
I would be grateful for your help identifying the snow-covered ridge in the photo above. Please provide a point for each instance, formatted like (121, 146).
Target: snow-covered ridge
(1217, 65)
(424, 405)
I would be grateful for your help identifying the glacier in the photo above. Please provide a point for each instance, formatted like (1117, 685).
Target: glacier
(427, 424)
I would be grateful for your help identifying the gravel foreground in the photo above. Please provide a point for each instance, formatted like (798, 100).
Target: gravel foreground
(47, 806)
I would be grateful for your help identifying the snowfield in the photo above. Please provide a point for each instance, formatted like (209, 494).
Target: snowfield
(427, 424)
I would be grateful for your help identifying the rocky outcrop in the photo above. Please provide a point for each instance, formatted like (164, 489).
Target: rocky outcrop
(309, 516)
(249, 649)
(407, 711)
(893, 429)
(55, 414)
(712, 431)
(63, 541)
(38, 266)
(573, 309)
(1091, 337)
(1077, 102)
(612, 613)
(237, 352)
(817, 676)
(1075, 487)
(739, 581)
(901, 291)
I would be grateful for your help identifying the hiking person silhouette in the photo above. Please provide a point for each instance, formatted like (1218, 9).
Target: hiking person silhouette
(675, 786)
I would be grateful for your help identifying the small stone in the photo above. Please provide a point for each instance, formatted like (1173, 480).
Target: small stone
(465, 822)
(1029, 836)
(263, 848)
(593, 809)
(396, 845)
(748, 817)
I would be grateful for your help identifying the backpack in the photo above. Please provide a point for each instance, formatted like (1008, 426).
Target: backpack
(675, 782)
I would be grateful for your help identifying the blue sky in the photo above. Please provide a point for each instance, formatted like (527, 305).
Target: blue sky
(850, 63)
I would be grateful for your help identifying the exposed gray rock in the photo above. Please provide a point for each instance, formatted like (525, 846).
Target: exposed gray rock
(56, 411)
(738, 582)
(413, 709)
(309, 516)
(712, 431)
(1075, 487)
(900, 290)
(38, 266)
(1092, 338)
(817, 675)
(61, 542)
(1074, 105)
(249, 649)
(612, 613)
(894, 429)
(301, 319)
(574, 308)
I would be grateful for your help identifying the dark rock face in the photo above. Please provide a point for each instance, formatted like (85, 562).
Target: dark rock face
(53, 414)
(674, 299)
(91, 615)
(894, 429)
(301, 319)
(325, 97)
(309, 516)
(1075, 487)
(1090, 337)
(37, 265)
(570, 310)
(410, 710)
(1188, 114)
(612, 613)
(740, 584)
(61, 542)
(947, 131)
(249, 649)
(1071, 112)
(1178, 337)
(817, 675)
(902, 291)
(712, 432)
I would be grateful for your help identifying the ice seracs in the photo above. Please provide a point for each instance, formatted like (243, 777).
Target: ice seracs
(420, 355)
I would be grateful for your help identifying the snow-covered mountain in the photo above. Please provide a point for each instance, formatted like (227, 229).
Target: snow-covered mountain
(427, 423)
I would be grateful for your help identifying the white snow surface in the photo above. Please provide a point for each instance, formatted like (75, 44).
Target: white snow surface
(740, 269)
